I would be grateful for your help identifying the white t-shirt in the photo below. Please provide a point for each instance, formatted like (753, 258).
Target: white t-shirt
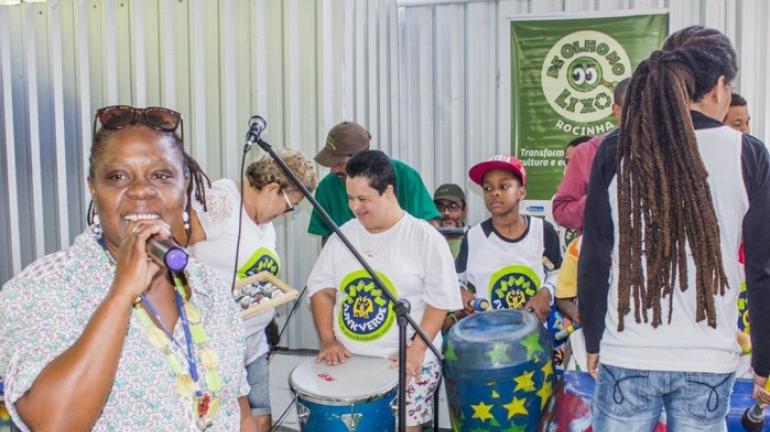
(510, 272)
(256, 254)
(411, 258)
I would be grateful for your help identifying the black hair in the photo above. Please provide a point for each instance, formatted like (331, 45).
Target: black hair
(619, 94)
(738, 100)
(577, 141)
(375, 166)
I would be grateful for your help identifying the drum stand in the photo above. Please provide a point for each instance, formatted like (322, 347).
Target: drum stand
(400, 306)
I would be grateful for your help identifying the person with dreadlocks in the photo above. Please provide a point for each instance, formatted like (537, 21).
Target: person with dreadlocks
(101, 337)
(670, 196)
(267, 194)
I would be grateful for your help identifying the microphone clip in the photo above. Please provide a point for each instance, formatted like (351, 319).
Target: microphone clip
(257, 125)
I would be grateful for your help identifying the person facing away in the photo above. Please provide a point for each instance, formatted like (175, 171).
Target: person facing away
(413, 261)
(342, 143)
(449, 199)
(267, 194)
(571, 147)
(99, 336)
(569, 203)
(671, 194)
(738, 116)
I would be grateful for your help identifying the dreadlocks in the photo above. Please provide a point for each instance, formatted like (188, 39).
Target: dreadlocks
(662, 183)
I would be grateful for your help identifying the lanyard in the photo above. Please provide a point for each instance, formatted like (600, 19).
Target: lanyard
(178, 287)
(189, 355)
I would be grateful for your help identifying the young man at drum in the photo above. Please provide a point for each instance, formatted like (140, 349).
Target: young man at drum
(511, 259)
(414, 262)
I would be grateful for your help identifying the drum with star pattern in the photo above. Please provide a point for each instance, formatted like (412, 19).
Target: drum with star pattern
(499, 371)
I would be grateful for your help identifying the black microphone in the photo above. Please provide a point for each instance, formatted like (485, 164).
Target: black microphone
(753, 419)
(257, 125)
(167, 253)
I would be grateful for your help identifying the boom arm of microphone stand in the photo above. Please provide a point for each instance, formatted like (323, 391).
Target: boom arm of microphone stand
(400, 312)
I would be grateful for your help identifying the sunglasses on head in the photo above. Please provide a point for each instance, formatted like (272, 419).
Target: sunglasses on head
(119, 116)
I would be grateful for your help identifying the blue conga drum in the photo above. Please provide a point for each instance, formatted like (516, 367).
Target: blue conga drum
(498, 371)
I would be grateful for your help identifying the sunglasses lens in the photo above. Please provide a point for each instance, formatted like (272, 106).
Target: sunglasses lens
(116, 117)
(161, 118)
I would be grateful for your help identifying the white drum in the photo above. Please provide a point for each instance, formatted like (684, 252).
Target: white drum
(358, 395)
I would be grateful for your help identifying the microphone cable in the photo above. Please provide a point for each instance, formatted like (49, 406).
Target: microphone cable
(281, 419)
(288, 319)
(240, 224)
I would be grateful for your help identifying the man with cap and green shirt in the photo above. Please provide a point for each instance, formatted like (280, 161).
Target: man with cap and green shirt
(342, 142)
(450, 202)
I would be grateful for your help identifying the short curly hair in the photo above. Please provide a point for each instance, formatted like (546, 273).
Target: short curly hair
(266, 171)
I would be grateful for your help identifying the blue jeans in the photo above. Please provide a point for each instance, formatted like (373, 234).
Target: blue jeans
(629, 400)
(257, 374)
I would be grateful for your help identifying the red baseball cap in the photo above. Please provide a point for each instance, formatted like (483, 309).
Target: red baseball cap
(503, 162)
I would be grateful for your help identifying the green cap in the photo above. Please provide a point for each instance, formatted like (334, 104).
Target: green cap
(450, 192)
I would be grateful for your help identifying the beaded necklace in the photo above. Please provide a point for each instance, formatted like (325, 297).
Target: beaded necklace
(204, 400)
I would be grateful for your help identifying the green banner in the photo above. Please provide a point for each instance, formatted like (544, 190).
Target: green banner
(564, 72)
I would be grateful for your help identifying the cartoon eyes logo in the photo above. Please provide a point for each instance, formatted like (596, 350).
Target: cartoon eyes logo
(585, 74)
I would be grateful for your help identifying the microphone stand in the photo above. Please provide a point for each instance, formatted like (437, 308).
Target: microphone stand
(400, 306)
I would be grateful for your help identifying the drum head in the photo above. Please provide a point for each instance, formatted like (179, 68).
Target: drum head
(357, 379)
(496, 325)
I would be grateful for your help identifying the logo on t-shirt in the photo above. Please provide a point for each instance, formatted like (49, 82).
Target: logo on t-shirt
(263, 259)
(743, 309)
(365, 313)
(511, 287)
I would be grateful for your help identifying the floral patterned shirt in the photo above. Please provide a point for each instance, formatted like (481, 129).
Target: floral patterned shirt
(44, 310)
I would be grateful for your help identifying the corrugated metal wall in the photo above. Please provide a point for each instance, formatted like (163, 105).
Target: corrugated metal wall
(429, 78)
(455, 72)
(303, 65)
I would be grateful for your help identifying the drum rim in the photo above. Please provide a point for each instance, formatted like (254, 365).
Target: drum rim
(340, 401)
(529, 322)
(381, 392)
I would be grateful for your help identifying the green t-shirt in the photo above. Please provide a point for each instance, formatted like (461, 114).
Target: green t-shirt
(410, 191)
(454, 245)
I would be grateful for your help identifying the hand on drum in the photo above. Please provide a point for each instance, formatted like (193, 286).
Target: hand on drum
(332, 352)
(468, 298)
(540, 304)
(415, 356)
(760, 393)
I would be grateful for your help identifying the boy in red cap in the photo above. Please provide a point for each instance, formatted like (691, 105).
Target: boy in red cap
(511, 259)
